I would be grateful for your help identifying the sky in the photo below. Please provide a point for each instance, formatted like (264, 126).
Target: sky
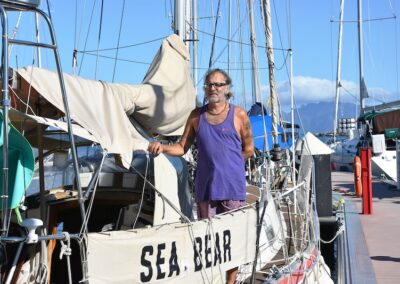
(309, 28)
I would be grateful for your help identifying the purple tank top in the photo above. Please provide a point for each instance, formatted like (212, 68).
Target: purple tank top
(220, 164)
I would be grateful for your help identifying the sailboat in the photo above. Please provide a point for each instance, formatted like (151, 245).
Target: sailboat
(96, 208)
(377, 125)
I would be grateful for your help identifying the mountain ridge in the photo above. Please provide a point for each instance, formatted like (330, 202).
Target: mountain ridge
(318, 117)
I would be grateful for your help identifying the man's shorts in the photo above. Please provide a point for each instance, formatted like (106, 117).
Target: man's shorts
(207, 209)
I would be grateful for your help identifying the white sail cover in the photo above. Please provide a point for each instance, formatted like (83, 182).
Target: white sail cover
(161, 104)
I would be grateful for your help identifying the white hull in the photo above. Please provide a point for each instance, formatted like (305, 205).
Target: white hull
(384, 165)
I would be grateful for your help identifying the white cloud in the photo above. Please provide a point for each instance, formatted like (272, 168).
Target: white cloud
(309, 89)
(312, 90)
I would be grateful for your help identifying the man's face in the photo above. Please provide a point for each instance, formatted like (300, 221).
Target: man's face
(216, 88)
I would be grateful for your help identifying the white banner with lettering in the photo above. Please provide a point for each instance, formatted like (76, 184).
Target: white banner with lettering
(198, 253)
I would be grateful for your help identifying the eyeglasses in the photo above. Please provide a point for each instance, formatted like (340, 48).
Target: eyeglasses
(217, 85)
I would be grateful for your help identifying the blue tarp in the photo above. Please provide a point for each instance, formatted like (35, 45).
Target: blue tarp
(258, 129)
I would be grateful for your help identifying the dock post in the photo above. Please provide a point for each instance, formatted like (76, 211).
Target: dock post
(366, 180)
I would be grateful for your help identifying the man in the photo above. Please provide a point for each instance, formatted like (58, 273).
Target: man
(224, 140)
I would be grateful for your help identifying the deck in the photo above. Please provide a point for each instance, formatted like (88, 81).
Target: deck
(373, 240)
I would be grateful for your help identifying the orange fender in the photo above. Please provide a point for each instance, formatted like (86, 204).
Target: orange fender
(357, 176)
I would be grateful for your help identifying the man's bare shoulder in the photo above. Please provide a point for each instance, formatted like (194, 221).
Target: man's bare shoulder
(195, 113)
(194, 117)
(239, 112)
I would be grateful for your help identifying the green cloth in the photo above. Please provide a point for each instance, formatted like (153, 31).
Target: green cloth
(21, 163)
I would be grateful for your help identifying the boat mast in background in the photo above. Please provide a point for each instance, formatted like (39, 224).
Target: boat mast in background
(363, 88)
(271, 73)
(182, 19)
(339, 60)
(194, 44)
(254, 56)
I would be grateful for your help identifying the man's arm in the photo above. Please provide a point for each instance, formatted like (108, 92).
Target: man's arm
(246, 134)
(184, 143)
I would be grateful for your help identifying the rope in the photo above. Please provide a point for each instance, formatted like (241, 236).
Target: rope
(90, 206)
(165, 199)
(144, 187)
(23, 102)
(339, 231)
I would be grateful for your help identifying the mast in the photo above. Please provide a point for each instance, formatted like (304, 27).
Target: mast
(187, 22)
(254, 56)
(292, 118)
(363, 89)
(271, 73)
(194, 44)
(229, 34)
(339, 60)
(179, 25)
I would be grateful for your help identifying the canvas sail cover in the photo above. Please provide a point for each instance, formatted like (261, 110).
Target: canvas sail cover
(161, 104)
(385, 120)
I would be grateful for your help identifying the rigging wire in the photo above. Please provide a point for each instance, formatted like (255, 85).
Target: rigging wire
(241, 55)
(214, 36)
(99, 38)
(14, 32)
(49, 10)
(87, 34)
(280, 39)
(124, 46)
(184, 218)
(77, 39)
(396, 46)
(119, 59)
(235, 41)
(285, 56)
(143, 190)
(84, 226)
(76, 23)
(74, 59)
(119, 38)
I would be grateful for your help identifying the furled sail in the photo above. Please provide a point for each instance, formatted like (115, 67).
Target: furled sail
(161, 104)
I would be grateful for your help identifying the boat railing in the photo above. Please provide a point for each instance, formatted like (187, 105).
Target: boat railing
(29, 6)
(31, 237)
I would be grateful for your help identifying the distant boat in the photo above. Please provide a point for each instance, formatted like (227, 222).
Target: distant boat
(377, 126)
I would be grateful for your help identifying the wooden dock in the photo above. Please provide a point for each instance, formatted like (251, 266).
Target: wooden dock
(373, 240)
